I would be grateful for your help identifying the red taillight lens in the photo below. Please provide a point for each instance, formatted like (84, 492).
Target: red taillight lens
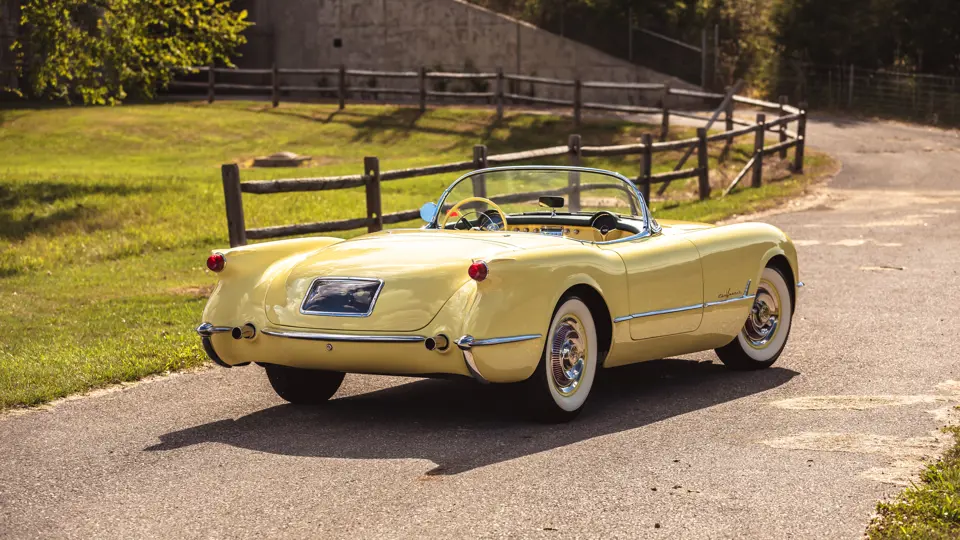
(478, 271)
(215, 262)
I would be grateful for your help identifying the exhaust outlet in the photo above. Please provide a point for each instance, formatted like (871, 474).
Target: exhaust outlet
(438, 342)
(247, 331)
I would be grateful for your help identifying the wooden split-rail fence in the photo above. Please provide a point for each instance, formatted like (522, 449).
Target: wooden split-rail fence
(575, 151)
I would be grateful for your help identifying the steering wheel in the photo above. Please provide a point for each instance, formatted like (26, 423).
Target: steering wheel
(604, 222)
(456, 207)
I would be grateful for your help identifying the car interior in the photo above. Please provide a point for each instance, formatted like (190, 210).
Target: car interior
(600, 226)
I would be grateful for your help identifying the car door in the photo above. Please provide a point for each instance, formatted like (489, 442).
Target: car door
(665, 285)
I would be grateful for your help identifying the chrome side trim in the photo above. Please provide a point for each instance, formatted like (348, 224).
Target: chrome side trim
(681, 309)
(729, 301)
(500, 340)
(373, 301)
(206, 329)
(799, 284)
(657, 312)
(358, 338)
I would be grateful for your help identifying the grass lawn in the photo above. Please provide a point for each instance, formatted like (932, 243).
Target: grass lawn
(929, 510)
(107, 214)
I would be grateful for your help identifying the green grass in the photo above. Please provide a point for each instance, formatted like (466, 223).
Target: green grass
(929, 510)
(107, 214)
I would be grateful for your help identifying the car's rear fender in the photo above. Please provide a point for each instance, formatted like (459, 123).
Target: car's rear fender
(238, 296)
(520, 294)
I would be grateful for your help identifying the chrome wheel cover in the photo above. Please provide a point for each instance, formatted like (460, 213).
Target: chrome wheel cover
(764, 319)
(568, 355)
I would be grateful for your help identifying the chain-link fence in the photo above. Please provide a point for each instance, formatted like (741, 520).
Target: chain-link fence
(928, 99)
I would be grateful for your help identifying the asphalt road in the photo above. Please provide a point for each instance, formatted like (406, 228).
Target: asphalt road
(670, 449)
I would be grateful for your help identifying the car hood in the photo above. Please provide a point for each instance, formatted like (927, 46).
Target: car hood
(420, 271)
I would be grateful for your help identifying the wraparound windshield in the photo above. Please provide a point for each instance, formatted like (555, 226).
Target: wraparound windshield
(518, 191)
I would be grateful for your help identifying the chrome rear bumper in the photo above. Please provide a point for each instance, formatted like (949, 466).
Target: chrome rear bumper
(467, 342)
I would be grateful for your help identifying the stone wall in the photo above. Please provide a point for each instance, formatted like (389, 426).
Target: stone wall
(447, 34)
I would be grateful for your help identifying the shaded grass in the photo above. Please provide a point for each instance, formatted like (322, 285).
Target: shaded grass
(106, 214)
(928, 510)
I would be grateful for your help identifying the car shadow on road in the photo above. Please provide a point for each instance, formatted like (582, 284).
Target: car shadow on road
(460, 425)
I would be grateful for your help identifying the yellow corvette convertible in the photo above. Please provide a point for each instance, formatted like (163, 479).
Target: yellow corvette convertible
(533, 275)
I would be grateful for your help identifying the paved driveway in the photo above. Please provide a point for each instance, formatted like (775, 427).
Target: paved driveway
(679, 448)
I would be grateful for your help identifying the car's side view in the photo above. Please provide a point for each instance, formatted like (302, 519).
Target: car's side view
(540, 275)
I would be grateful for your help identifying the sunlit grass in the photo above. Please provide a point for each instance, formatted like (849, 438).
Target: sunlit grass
(106, 214)
(930, 509)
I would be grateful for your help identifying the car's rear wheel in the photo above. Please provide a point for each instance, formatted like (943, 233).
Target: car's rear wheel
(303, 386)
(765, 332)
(558, 389)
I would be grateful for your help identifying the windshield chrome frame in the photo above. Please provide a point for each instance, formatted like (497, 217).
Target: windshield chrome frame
(649, 225)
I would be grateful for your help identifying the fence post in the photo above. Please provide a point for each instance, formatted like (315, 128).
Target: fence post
(574, 153)
(236, 228)
(801, 140)
(703, 59)
(371, 177)
(499, 93)
(646, 170)
(577, 101)
(479, 162)
(665, 121)
(423, 89)
(703, 164)
(783, 127)
(758, 150)
(211, 81)
(342, 87)
(275, 85)
(728, 125)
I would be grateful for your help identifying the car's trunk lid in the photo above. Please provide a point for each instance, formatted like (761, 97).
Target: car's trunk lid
(419, 270)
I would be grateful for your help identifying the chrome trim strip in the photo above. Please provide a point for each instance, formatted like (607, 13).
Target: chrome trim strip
(501, 340)
(729, 301)
(373, 301)
(800, 284)
(206, 329)
(359, 338)
(657, 312)
(681, 309)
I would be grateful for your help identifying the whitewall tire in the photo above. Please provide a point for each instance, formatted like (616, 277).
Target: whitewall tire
(561, 384)
(765, 332)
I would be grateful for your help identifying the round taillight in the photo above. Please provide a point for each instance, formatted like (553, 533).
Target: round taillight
(215, 262)
(478, 271)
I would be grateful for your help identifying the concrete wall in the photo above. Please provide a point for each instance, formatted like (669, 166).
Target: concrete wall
(448, 34)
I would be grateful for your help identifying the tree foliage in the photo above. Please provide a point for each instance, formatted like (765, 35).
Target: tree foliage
(102, 51)
(758, 36)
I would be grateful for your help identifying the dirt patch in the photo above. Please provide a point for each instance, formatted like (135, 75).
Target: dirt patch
(197, 291)
(855, 403)
(908, 454)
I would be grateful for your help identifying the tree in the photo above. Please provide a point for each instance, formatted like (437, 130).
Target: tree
(102, 51)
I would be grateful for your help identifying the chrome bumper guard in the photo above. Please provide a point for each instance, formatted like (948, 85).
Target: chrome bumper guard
(467, 342)
(206, 330)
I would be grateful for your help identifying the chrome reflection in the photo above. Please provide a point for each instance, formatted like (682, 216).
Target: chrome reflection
(761, 325)
(568, 355)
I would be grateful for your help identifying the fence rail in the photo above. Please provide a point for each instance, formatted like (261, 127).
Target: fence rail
(372, 177)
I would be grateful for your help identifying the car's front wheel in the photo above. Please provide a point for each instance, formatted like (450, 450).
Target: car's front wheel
(559, 387)
(303, 386)
(765, 332)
